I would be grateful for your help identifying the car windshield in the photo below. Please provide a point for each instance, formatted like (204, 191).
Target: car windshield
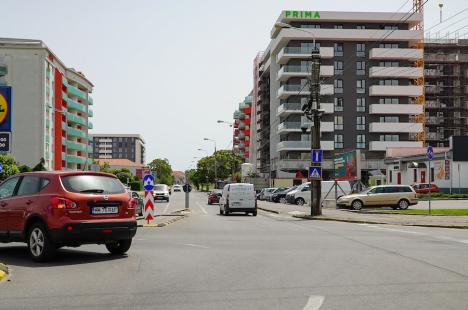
(92, 184)
(160, 188)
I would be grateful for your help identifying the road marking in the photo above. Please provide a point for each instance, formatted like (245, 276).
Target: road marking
(196, 245)
(314, 302)
(202, 208)
(166, 208)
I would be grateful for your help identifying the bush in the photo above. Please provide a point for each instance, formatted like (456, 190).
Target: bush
(136, 186)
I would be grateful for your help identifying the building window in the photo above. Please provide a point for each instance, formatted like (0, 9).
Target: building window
(389, 45)
(388, 82)
(432, 174)
(360, 49)
(316, 26)
(389, 119)
(338, 141)
(309, 46)
(361, 86)
(415, 175)
(338, 26)
(338, 67)
(389, 138)
(338, 49)
(361, 123)
(361, 141)
(389, 64)
(361, 68)
(338, 122)
(338, 104)
(391, 27)
(338, 86)
(361, 104)
(389, 100)
(361, 27)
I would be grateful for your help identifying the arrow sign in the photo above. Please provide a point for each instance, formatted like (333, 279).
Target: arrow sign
(148, 182)
(149, 217)
(148, 203)
(317, 156)
(430, 153)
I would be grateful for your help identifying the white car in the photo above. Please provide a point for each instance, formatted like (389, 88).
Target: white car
(303, 196)
(161, 192)
(238, 197)
(177, 188)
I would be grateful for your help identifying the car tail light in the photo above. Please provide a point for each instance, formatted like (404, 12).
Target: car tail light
(132, 203)
(62, 203)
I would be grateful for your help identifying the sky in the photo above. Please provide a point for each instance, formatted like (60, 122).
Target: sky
(168, 70)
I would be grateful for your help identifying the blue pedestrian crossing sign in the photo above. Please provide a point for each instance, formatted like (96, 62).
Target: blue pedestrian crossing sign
(148, 182)
(315, 173)
(317, 156)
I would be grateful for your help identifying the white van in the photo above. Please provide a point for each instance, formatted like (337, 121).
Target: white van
(238, 197)
(303, 196)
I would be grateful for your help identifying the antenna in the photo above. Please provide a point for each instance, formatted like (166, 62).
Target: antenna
(441, 5)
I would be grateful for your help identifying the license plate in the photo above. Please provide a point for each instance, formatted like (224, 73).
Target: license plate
(236, 203)
(105, 210)
(160, 197)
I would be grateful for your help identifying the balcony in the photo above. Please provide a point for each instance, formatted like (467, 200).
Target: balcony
(289, 71)
(383, 145)
(411, 109)
(395, 127)
(434, 136)
(77, 146)
(286, 127)
(293, 165)
(401, 91)
(434, 120)
(90, 100)
(303, 146)
(288, 108)
(396, 53)
(90, 112)
(72, 104)
(76, 132)
(76, 159)
(295, 89)
(396, 72)
(90, 125)
(287, 53)
(446, 58)
(73, 118)
(76, 92)
(433, 89)
(432, 73)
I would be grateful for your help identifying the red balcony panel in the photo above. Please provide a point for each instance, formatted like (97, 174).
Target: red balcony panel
(247, 132)
(247, 121)
(248, 110)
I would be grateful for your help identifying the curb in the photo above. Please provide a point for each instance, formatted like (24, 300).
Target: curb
(308, 217)
(175, 219)
(268, 210)
(3, 272)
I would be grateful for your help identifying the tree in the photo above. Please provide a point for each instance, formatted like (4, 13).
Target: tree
(123, 174)
(163, 171)
(24, 168)
(9, 166)
(40, 166)
(105, 168)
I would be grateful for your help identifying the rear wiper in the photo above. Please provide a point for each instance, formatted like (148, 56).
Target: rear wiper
(92, 190)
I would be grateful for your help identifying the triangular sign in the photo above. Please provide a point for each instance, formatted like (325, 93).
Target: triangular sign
(315, 174)
(149, 205)
(149, 217)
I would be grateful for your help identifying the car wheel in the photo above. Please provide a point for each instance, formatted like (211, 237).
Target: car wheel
(357, 204)
(300, 201)
(254, 213)
(403, 204)
(283, 200)
(246, 213)
(119, 247)
(209, 202)
(40, 247)
(221, 211)
(226, 212)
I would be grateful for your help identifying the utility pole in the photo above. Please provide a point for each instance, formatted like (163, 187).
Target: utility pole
(313, 113)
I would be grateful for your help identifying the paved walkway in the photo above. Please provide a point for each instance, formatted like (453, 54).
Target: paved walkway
(363, 217)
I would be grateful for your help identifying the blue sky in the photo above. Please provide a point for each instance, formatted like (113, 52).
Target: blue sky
(169, 69)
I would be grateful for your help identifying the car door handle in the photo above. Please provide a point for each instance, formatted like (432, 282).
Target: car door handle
(29, 201)
(3, 204)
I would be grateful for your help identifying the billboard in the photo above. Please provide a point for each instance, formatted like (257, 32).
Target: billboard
(348, 166)
(442, 170)
(5, 108)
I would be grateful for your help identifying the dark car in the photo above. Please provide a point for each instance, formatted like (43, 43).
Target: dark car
(49, 210)
(214, 196)
(139, 202)
(281, 195)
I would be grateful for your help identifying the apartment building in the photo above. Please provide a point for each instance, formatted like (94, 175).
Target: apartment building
(119, 146)
(241, 128)
(372, 91)
(51, 106)
(446, 80)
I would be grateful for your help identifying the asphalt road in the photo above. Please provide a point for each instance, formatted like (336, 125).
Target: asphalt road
(207, 261)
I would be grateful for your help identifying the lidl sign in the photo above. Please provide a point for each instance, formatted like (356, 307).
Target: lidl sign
(302, 14)
(5, 108)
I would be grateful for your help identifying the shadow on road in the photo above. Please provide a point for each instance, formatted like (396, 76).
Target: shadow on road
(19, 256)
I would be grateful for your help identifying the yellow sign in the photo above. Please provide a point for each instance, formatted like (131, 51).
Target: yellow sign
(3, 109)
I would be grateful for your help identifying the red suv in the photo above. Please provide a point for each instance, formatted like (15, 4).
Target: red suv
(49, 210)
(423, 188)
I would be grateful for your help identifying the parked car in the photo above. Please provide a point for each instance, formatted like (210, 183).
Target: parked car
(49, 210)
(161, 192)
(395, 196)
(266, 192)
(139, 202)
(290, 196)
(269, 196)
(214, 196)
(424, 188)
(177, 188)
(303, 196)
(280, 196)
(238, 197)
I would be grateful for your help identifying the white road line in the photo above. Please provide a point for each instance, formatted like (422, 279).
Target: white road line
(314, 302)
(196, 245)
(202, 208)
(166, 208)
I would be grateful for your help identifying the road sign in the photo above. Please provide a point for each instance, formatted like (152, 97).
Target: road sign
(187, 188)
(148, 206)
(315, 173)
(1, 167)
(148, 182)
(430, 153)
(5, 138)
(317, 156)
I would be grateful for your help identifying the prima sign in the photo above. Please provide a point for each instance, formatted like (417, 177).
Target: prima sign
(302, 14)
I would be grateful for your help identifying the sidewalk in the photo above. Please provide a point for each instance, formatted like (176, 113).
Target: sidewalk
(345, 215)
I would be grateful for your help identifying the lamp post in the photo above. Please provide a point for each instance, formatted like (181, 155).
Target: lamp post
(215, 164)
(224, 122)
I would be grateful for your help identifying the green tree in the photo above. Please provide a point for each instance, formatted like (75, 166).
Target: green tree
(24, 168)
(105, 168)
(9, 166)
(123, 174)
(163, 170)
(40, 166)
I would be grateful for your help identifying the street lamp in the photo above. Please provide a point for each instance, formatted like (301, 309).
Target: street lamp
(215, 164)
(224, 122)
(203, 150)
